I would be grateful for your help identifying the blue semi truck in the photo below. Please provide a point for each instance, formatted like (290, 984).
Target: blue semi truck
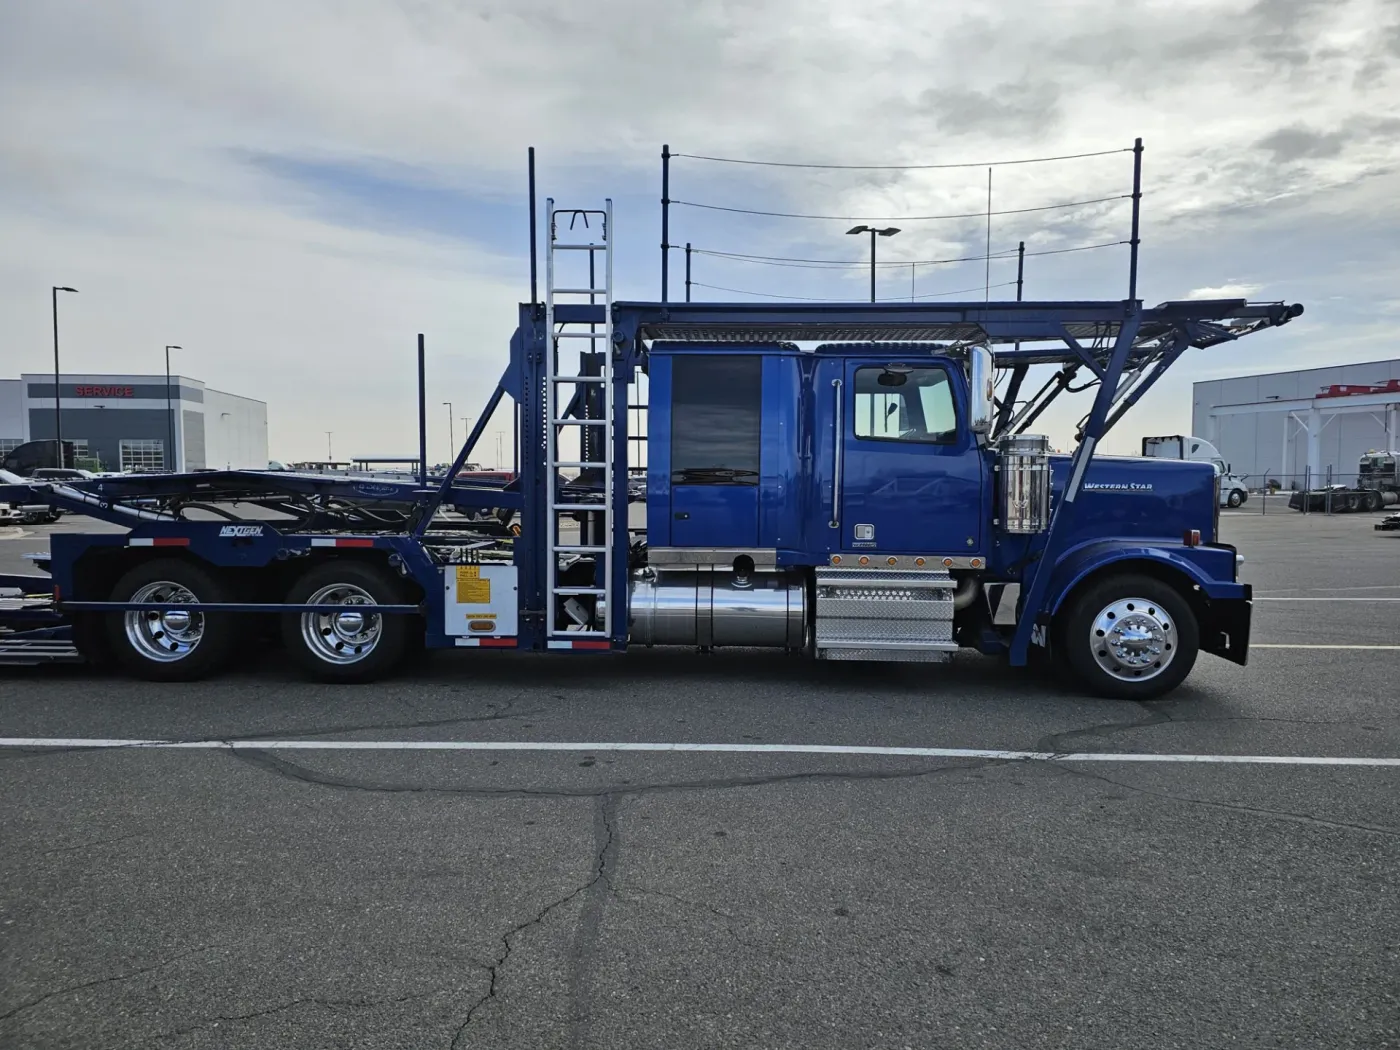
(850, 481)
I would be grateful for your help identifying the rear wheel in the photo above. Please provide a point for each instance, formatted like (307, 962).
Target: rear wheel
(354, 645)
(177, 645)
(1129, 637)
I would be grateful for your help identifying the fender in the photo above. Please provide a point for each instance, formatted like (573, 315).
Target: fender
(1210, 568)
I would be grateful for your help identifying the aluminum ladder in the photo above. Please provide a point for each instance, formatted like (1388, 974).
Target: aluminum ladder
(567, 387)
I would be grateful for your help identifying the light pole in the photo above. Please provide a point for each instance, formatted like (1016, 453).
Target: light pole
(170, 408)
(330, 456)
(57, 394)
(451, 434)
(888, 231)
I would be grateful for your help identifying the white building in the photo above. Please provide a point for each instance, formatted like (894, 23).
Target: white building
(129, 422)
(1286, 423)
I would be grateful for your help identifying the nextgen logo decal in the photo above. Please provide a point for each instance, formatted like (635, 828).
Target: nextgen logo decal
(240, 530)
(1117, 486)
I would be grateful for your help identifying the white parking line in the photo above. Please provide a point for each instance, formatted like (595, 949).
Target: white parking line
(1297, 645)
(1327, 599)
(757, 749)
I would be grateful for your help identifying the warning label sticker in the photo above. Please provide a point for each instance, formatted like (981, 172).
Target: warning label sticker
(471, 588)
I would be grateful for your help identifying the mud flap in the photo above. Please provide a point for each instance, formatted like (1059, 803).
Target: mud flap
(1225, 628)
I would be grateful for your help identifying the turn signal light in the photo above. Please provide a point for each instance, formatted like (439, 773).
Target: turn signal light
(1192, 538)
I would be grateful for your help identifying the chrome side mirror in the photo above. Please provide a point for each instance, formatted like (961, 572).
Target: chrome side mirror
(982, 389)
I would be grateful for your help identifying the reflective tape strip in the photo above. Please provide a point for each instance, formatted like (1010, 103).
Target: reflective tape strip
(159, 541)
(581, 643)
(332, 541)
(487, 643)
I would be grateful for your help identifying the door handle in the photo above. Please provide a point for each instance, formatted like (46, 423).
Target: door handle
(839, 440)
(682, 515)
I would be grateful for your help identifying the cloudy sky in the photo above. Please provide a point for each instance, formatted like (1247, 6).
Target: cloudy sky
(292, 189)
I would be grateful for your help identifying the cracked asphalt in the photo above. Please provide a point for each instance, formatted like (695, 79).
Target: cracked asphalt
(259, 898)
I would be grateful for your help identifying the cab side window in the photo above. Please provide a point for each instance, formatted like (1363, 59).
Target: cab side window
(905, 403)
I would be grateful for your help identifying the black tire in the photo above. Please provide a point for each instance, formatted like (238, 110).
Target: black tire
(89, 634)
(1167, 616)
(135, 637)
(387, 637)
(1373, 499)
(1236, 498)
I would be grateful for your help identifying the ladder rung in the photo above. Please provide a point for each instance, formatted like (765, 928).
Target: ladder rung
(579, 291)
(588, 549)
(580, 465)
(579, 247)
(580, 335)
(579, 379)
(579, 422)
(600, 591)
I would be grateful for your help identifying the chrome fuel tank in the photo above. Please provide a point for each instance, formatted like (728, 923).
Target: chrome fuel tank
(1023, 497)
(718, 606)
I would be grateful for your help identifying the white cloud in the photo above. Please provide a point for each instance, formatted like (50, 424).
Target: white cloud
(125, 133)
(1231, 290)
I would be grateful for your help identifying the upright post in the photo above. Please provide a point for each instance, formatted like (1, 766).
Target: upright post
(687, 271)
(872, 265)
(534, 239)
(1020, 269)
(515, 443)
(57, 390)
(665, 216)
(422, 416)
(169, 412)
(1137, 211)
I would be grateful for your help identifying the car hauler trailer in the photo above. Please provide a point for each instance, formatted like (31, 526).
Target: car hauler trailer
(836, 479)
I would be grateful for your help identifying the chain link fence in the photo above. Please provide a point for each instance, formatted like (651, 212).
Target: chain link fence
(1320, 492)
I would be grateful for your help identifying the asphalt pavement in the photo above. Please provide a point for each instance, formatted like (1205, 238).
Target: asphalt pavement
(385, 897)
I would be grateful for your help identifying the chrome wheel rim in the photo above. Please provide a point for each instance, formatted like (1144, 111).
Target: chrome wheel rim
(341, 637)
(168, 636)
(1133, 639)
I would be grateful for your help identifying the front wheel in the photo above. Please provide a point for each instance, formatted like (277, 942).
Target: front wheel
(354, 645)
(1236, 498)
(1129, 637)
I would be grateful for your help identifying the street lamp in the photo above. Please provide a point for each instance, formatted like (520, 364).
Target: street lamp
(451, 435)
(888, 231)
(57, 394)
(170, 408)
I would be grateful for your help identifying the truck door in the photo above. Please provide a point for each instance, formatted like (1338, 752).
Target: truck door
(911, 474)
